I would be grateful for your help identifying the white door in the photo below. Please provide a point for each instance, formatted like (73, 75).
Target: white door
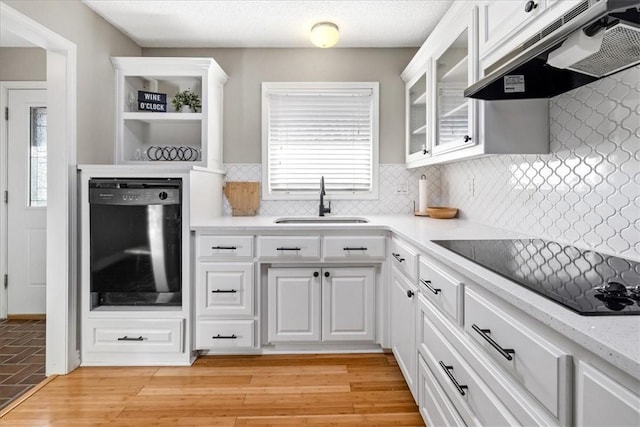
(347, 304)
(403, 326)
(294, 304)
(27, 201)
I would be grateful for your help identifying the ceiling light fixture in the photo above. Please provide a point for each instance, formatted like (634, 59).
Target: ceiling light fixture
(324, 34)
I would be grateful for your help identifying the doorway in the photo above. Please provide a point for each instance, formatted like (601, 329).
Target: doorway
(62, 354)
(26, 203)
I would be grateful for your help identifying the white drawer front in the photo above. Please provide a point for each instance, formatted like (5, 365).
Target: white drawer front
(441, 289)
(435, 407)
(353, 248)
(541, 367)
(225, 289)
(289, 247)
(405, 258)
(475, 401)
(136, 335)
(225, 246)
(213, 334)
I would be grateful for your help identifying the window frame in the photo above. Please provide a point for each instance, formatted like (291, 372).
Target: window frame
(268, 87)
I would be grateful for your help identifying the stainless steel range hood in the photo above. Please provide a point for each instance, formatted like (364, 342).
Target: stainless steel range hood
(593, 40)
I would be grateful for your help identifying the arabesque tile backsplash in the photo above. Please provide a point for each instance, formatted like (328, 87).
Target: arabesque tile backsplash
(585, 192)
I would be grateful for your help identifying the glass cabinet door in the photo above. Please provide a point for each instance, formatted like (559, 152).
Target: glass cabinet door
(454, 72)
(417, 129)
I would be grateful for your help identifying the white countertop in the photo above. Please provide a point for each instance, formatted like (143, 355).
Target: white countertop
(616, 339)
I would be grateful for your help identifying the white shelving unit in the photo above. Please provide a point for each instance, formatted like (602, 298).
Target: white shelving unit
(139, 131)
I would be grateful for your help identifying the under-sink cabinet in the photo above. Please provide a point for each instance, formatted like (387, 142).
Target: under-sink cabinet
(321, 304)
(225, 297)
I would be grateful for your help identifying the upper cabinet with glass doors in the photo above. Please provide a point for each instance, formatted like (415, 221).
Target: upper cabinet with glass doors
(458, 128)
(418, 117)
(455, 70)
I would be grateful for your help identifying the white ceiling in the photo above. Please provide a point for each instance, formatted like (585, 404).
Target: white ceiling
(271, 23)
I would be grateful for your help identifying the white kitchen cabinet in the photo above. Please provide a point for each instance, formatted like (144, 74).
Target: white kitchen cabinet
(402, 307)
(143, 137)
(225, 289)
(601, 401)
(418, 112)
(463, 128)
(348, 312)
(294, 304)
(455, 68)
(500, 19)
(321, 304)
(353, 248)
(292, 248)
(226, 294)
(442, 289)
(540, 366)
(434, 405)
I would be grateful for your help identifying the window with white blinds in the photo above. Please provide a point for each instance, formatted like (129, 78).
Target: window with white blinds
(312, 130)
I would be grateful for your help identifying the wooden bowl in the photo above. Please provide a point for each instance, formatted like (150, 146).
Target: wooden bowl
(442, 213)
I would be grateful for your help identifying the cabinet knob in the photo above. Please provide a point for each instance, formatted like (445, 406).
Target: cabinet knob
(425, 151)
(530, 5)
(467, 138)
(410, 293)
(316, 274)
(326, 274)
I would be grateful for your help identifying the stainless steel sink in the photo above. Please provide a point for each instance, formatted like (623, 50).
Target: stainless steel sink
(321, 220)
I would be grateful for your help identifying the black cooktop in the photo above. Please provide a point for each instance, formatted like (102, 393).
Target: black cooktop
(587, 282)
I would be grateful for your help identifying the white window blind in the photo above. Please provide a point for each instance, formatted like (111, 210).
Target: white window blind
(320, 131)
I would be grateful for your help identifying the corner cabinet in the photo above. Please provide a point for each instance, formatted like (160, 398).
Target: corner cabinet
(458, 128)
(168, 137)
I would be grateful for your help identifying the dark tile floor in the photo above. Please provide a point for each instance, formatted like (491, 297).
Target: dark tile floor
(22, 344)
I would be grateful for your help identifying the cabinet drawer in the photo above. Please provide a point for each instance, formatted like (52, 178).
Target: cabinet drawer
(289, 247)
(225, 289)
(213, 334)
(474, 400)
(435, 407)
(541, 367)
(441, 289)
(225, 246)
(353, 247)
(136, 335)
(405, 258)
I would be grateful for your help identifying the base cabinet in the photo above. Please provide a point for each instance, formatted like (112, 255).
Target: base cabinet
(603, 402)
(321, 304)
(403, 326)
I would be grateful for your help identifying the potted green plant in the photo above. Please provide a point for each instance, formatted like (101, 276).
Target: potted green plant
(186, 100)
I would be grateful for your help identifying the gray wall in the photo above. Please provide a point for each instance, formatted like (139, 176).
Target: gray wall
(23, 64)
(248, 68)
(96, 41)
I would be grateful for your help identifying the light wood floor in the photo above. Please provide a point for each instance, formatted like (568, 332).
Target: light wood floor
(290, 390)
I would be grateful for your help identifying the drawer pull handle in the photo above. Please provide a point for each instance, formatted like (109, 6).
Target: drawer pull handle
(447, 370)
(224, 291)
(225, 337)
(354, 249)
(505, 352)
(126, 338)
(227, 248)
(397, 256)
(427, 283)
(287, 249)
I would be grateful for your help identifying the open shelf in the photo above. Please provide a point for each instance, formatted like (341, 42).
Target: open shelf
(457, 73)
(159, 117)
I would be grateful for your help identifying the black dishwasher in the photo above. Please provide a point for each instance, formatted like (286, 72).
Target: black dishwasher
(135, 235)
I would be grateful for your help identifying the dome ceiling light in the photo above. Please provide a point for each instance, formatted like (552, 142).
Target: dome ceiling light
(324, 34)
